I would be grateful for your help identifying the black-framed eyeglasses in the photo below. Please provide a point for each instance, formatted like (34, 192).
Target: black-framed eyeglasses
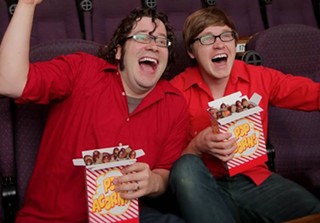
(209, 39)
(146, 39)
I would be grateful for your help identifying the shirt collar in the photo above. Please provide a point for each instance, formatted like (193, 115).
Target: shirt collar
(109, 67)
(162, 87)
(194, 77)
(238, 72)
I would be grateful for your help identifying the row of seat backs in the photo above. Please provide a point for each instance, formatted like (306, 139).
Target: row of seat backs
(96, 19)
(250, 16)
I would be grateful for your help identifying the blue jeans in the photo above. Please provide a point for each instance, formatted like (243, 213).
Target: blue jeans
(202, 198)
(151, 215)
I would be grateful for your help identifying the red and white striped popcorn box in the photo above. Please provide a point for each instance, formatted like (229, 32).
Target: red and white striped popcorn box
(246, 127)
(105, 204)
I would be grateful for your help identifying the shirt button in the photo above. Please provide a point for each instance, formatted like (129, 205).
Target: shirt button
(195, 133)
(128, 119)
(123, 93)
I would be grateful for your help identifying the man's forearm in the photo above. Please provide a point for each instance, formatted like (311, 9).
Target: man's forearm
(160, 184)
(14, 51)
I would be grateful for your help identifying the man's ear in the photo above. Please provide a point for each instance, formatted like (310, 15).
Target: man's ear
(118, 53)
(190, 55)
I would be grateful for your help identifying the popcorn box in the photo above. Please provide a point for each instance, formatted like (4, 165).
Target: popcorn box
(104, 204)
(246, 127)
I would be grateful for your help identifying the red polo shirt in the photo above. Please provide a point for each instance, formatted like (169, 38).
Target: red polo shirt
(276, 88)
(89, 110)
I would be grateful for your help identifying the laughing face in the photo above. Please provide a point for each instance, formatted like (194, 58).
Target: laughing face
(144, 63)
(215, 60)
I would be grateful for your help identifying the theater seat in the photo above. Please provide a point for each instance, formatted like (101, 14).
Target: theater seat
(56, 19)
(177, 12)
(291, 11)
(247, 18)
(245, 14)
(7, 167)
(295, 135)
(105, 15)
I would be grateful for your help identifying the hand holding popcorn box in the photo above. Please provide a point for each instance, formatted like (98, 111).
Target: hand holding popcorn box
(102, 166)
(240, 116)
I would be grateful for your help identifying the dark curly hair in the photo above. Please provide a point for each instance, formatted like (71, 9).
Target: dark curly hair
(120, 35)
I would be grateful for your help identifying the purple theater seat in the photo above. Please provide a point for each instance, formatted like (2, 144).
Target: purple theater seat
(56, 19)
(29, 119)
(291, 11)
(85, 13)
(105, 17)
(7, 168)
(177, 12)
(295, 135)
(245, 14)
(291, 48)
(4, 17)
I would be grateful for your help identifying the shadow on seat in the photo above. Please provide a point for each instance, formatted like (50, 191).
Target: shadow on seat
(293, 49)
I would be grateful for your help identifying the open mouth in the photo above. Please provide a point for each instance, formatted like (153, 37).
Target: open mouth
(219, 58)
(148, 63)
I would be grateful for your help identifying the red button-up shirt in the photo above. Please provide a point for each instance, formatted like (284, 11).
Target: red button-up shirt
(89, 110)
(276, 88)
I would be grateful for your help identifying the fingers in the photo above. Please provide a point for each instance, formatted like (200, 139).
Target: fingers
(127, 187)
(135, 168)
(130, 190)
(223, 150)
(133, 182)
(225, 158)
(221, 136)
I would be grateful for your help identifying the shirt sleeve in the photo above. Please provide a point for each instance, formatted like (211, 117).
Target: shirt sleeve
(294, 92)
(51, 80)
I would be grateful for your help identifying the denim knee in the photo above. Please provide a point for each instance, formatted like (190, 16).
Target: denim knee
(185, 172)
